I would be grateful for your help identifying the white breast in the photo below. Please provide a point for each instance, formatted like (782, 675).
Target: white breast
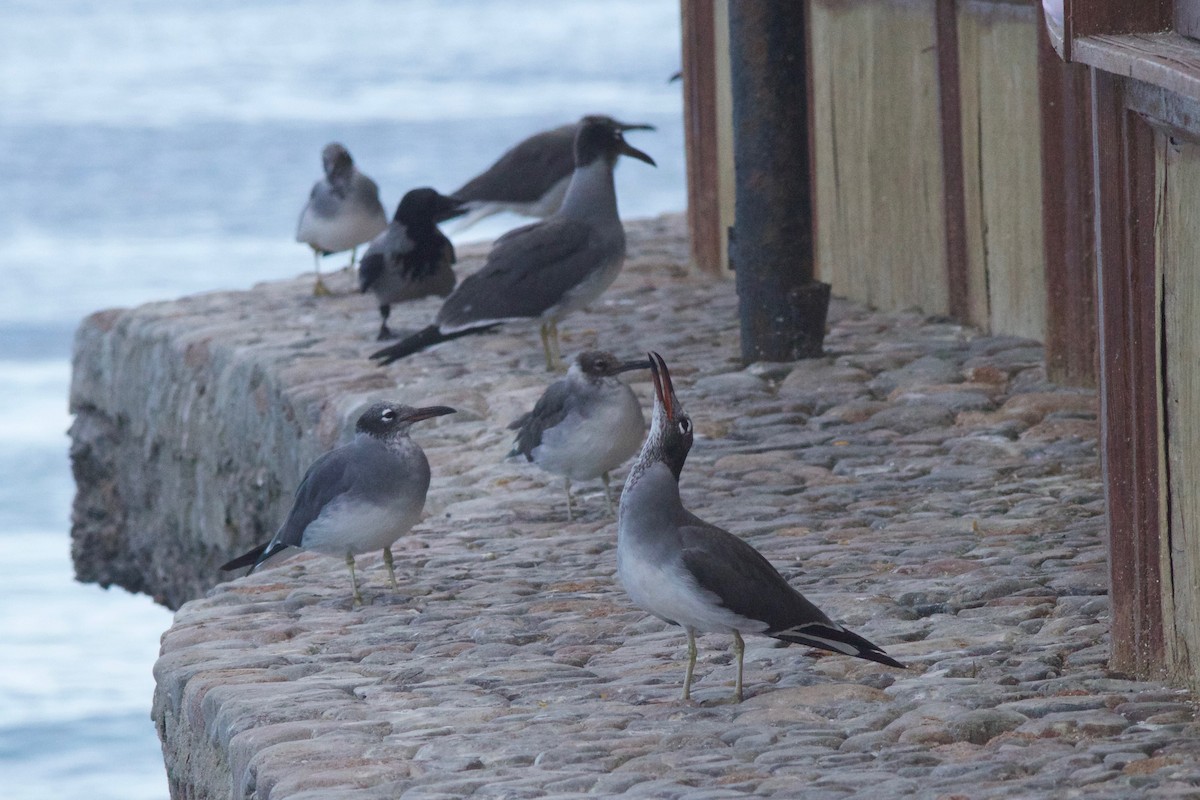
(583, 448)
(357, 527)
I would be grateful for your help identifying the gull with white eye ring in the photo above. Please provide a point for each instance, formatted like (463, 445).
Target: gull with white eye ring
(693, 574)
(359, 497)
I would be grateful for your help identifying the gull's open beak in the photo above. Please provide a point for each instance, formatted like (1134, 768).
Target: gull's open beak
(664, 392)
(449, 208)
(629, 150)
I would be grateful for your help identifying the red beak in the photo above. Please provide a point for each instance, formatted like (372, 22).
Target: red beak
(663, 389)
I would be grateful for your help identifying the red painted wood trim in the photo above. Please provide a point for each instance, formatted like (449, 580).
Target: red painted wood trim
(954, 210)
(1068, 223)
(1131, 419)
(700, 132)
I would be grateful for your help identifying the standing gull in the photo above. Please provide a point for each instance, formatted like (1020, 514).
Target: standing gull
(549, 269)
(342, 212)
(412, 258)
(690, 573)
(532, 176)
(359, 497)
(585, 424)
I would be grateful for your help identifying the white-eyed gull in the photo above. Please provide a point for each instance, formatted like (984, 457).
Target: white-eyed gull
(531, 178)
(584, 425)
(544, 271)
(693, 574)
(359, 497)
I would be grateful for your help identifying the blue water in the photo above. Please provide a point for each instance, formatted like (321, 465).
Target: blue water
(150, 150)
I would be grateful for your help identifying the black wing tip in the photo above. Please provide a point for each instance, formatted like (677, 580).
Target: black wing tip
(880, 657)
(823, 638)
(413, 344)
(247, 559)
(423, 339)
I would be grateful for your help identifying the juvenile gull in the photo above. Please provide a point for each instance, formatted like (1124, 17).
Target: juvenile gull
(585, 424)
(411, 259)
(690, 573)
(359, 497)
(549, 269)
(342, 212)
(531, 178)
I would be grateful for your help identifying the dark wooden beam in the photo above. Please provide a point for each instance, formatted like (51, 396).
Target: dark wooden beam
(1131, 416)
(700, 132)
(954, 211)
(783, 307)
(1068, 223)
(1090, 17)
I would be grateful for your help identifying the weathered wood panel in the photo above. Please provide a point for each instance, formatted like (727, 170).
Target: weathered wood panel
(1178, 247)
(725, 173)
(878, 173)
(1002, 171)
(1068, 221)
(700, 133)
(708, 130)
(1131, 419)
(954, 212)
(1163, 59)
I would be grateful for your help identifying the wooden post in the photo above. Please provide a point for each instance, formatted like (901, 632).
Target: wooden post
(1130, 406)
(783, 307)
(1068, 223)
(953, 192)
(700, 132)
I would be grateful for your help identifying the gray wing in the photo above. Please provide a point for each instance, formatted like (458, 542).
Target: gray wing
(527, 170)
(365, 193)
(742, 578)
(325, 199)
(362, 468)
(324, 202)
(749, 585)
(528, 271)
(385, 250)
(329, 477)
(550, 409)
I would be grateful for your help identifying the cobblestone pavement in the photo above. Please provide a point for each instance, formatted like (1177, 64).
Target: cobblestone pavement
(922, 483)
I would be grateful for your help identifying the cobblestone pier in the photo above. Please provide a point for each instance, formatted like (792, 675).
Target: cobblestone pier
(923, 483)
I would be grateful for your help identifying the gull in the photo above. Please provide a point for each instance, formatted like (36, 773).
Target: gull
(544, 271)
(342, 212)
(691, 573)
(359, 497)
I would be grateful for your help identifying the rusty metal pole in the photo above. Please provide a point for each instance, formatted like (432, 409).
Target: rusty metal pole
(782, 306)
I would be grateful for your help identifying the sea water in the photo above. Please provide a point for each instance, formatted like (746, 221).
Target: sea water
(150, 150)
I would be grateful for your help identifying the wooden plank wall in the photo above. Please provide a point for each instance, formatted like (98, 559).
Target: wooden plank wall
(700, 132)
(708, 131)
(1001, 137)
(1130, 419)
(724, 103)
(880, 229)
(1069, 226)
(1178, 248)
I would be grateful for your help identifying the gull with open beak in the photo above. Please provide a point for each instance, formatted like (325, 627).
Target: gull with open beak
(693, 574)
(544, 271)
